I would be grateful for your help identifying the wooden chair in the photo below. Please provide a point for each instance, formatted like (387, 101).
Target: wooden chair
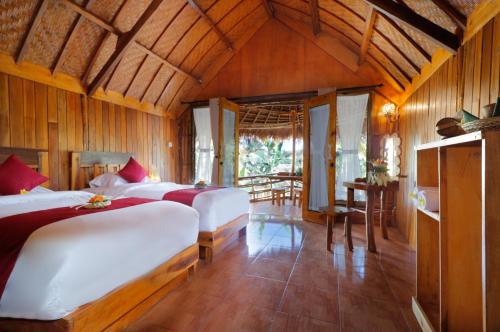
(278, 194)
(331, 213)
(297, 196)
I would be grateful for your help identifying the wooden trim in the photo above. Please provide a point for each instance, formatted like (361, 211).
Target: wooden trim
(367, 34)
(31, 32)
(118, 309)
(314, 8)
(269, 8)
(211, 23)
(214, 242)
(457, 17)
(404, 14)
(124, 42)
(484, 12)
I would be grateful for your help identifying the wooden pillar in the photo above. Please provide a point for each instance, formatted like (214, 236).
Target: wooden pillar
(294, 137)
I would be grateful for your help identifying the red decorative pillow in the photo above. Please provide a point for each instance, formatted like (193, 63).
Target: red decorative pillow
(15, 175)
(133, 171)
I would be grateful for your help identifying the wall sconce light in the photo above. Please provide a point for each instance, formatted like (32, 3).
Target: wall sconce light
(389, 110)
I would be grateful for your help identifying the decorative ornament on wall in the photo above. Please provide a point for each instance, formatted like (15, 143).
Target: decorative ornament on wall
(390, 151)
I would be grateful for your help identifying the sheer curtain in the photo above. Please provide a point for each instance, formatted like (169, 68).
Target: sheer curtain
(229, 148)
(318, 190)
(214, 124)
(204, 138)
(351, 114)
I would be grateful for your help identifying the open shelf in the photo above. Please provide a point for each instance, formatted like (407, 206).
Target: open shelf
(433, 215)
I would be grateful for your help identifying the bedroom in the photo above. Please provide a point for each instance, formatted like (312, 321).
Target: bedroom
(85, 85)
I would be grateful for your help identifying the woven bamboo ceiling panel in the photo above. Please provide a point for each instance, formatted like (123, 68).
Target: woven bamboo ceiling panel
(163, 52)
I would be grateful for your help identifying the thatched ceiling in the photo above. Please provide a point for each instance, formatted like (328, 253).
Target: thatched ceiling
(159, 52)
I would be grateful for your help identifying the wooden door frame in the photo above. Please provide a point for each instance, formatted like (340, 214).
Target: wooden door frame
(331, 99)
(226, 104)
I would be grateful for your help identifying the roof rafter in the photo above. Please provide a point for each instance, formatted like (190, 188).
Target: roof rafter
(416, 45)
(72, 34)
(367, 34)
(269, 8)
(441, 36)
(124, 42)
(457, 17)
(210, 22)
(90, 16)
(31, 32)
(313, 5)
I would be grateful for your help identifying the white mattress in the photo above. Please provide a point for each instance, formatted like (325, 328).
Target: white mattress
(216, 207)
(75, 261)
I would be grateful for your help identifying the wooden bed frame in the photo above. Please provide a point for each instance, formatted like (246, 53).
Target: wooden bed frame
(87, 165)
(36, 159)
(119, 308)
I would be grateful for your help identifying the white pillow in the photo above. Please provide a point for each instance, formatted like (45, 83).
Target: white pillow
(40, 190)
(107, 180)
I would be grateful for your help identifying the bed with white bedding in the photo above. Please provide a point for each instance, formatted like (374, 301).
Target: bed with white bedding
(67, 264)
(216, 207)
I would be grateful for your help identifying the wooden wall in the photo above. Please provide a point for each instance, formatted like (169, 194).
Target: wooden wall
(279, 60)
(34, 115)
(468, 80)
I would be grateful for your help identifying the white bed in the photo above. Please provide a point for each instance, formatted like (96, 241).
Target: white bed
(216, 207)
(78, 260)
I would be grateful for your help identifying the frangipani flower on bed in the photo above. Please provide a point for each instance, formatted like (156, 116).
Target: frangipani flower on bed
(23, 191)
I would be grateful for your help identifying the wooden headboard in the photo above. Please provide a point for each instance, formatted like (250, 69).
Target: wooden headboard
(36, 159)
(87, 165)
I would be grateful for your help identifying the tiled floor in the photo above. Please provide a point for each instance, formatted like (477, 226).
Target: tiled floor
(280, 278)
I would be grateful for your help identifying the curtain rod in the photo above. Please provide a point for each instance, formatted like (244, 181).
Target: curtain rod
(294, 96)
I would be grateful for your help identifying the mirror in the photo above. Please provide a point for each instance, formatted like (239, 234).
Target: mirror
(390, 151)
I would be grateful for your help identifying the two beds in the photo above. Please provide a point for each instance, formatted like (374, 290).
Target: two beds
(96, 271)
(223, 213)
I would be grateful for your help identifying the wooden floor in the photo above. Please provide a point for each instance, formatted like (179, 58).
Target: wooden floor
(280, 278)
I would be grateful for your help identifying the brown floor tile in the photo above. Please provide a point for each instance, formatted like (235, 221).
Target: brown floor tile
(314, 275)
(270, 268)
(287, 323)
(320, 257)
(283, 254)
(367, 281)
(311, 302)
(361, 313)
(242, 317)
(265, 293)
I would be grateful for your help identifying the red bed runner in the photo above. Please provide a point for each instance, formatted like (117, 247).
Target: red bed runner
(16, 229)
(186, 196)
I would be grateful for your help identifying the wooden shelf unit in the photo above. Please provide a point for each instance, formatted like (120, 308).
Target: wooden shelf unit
(458, 249)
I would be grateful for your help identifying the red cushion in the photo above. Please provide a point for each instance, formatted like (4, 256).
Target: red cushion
(133, 171)
(15, 175)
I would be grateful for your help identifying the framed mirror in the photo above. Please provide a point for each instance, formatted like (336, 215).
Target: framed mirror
(390, 151)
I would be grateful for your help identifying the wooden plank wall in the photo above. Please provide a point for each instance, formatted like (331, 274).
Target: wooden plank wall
(468, 80)
(34, 115)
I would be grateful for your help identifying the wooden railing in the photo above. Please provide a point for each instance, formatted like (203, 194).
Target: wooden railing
(259, 186)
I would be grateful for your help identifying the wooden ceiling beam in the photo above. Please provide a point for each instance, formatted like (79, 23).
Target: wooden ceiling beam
(457, 17)
(416, 45)
(441, 36)
(62, 54)
(367, 34)
(89, 15)
(124, 42)
(211, 23)
(31, 32)
(269, 8)
(316, 26)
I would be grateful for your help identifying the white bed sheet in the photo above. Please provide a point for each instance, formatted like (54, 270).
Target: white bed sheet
(78, 260)
(216, 207)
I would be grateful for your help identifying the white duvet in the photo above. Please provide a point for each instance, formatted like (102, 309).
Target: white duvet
(216, 207)
(75, 261)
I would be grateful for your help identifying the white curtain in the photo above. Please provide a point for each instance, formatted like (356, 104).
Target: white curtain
(318, 194)
(351, 114)
(214, 121)
(204, 138)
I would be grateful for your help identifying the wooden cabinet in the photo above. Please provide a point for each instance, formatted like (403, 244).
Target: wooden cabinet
(458, 249)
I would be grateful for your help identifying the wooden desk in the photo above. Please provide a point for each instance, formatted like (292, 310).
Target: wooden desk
(371, 193)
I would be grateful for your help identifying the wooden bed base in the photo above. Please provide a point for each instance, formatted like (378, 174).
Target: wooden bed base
(212, 243)
(119, 308)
